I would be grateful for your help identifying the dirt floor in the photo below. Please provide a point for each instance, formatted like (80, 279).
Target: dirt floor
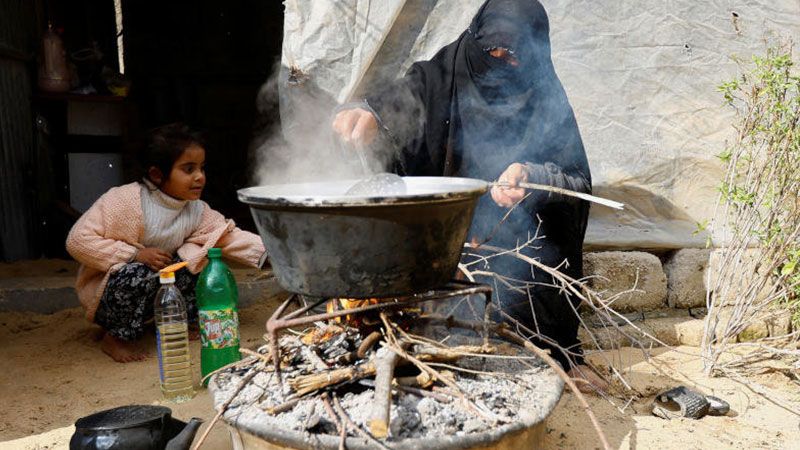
(55, 373)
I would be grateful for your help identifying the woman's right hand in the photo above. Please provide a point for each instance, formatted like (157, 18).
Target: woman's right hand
(356, 126)
(509, 195)
(154, 258)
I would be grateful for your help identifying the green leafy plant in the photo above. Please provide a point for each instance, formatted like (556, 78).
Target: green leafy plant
(758, 204)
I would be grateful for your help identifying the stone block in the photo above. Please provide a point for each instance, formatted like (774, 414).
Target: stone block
(669, 327)
(686, 273)
(631, 281)
(738, 268)
(684, 330)
(779, 324)
(755, 331)
(607, 338)
(677, 327)
(757, 328)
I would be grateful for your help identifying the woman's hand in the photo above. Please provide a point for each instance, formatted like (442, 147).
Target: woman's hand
(507, 196)
(356, 126)
(154, 258)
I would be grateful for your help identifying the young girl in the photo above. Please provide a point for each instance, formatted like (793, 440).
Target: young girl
(134, 230)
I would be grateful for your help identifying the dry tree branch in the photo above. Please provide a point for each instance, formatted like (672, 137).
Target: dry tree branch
(253, 355)
(757, 209)
(397, 347)
(365, 434)
(503, 331)
(244, 382)
(326, 403)
(611, 320)
(588, 297)
(385, 361)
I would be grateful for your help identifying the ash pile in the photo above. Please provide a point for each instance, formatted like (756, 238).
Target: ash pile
(388, 379)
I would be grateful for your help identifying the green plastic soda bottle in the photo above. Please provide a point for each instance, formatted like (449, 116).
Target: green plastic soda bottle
(217, 297)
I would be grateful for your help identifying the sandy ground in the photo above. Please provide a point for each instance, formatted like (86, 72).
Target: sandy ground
(55, 373)
(754, 422)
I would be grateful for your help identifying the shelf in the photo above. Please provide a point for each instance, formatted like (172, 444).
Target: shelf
(70, 97)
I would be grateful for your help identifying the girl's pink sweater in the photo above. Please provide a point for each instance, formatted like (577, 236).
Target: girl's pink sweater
(108, 235)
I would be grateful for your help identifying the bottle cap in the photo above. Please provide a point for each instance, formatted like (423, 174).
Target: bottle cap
(166, 277)
(214, 252)
(167, 274)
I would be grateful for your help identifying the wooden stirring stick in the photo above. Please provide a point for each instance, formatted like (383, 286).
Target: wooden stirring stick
(562, 191)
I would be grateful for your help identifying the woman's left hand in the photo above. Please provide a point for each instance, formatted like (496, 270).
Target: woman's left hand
(507, 196)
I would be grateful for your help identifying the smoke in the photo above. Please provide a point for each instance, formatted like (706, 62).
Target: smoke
(294, 140)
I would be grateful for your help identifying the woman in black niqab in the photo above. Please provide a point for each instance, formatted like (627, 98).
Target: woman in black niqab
(489, 106)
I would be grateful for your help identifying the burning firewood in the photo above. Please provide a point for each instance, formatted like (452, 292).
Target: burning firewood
(450, 354)
(311, 356)
(318, 335)
(425, 393)
(436, 375)
(361, 353)
(385, 362)
(306, 384)
(423, 380)
(303, 385)
(339, 304)
(337, 358)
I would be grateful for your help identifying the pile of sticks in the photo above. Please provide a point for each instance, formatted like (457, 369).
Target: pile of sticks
(330, 358)
(388, 359)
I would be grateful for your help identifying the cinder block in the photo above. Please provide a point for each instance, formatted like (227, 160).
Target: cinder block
(630, 281)
(686, 278)
(41, 300)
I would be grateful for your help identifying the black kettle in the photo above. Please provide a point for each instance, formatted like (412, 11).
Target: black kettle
(133, 427)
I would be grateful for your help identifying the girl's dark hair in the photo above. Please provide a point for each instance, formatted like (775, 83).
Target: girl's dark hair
(165, 144)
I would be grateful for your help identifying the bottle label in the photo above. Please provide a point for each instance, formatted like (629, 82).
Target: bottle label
(219, 328)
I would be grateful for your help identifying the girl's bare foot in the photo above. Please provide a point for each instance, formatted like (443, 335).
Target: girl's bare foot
(121, 351)
(587, 381)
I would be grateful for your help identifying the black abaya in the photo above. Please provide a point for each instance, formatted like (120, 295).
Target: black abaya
(467, 113)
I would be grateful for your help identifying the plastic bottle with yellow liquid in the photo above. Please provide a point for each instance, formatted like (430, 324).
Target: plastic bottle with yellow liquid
(172, 338)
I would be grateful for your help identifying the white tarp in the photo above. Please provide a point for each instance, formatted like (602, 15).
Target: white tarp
(641, 76)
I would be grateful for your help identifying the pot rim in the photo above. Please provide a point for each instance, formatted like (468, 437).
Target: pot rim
(444, 189)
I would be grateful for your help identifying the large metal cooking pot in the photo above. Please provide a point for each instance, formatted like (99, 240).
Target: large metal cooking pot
(322, 242)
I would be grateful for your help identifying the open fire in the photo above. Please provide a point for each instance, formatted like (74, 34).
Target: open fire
(342, 304)
(380, 371)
